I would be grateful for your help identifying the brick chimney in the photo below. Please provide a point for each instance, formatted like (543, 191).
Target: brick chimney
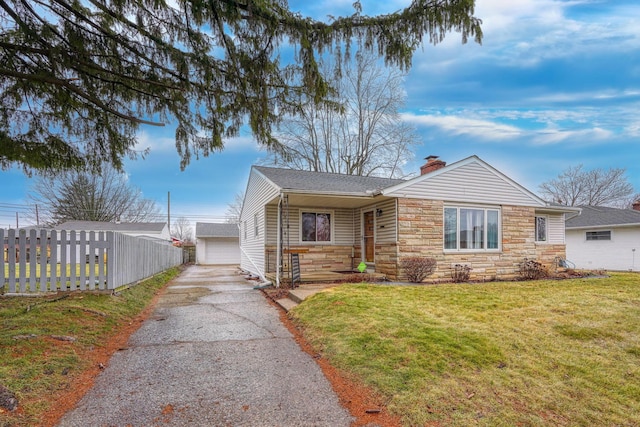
(636, 205)
(433, 164)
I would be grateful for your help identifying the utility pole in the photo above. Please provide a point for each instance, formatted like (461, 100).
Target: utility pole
(37, 217)
(17, 227)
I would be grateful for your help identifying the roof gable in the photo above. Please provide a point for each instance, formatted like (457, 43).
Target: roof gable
(602, 216)
(323, 182)
(469, 180)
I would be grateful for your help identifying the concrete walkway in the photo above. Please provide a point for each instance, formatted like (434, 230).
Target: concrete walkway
(214, 353)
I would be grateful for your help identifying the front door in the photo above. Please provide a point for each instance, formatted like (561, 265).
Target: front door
(368, 235)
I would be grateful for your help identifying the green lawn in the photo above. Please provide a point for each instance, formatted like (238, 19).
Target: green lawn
(35, 365)
(87, 270)
(533, 353)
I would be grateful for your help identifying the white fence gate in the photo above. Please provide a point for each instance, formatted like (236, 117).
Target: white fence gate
(49, 261)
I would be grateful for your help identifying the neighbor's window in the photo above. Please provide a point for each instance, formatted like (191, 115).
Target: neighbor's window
(541, 229)
(316, 227)
(471, 228)
(599, 235)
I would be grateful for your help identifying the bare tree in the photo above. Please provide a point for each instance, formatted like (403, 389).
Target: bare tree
(182, 230)
(627, 202)
(358, 132)
(598, 187)
(83, 196)
(234, 209)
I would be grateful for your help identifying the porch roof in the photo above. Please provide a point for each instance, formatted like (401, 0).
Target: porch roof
(298, 181)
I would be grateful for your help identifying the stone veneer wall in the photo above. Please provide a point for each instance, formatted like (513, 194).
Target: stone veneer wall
(420, 231)
(321, 257)
(387, 260)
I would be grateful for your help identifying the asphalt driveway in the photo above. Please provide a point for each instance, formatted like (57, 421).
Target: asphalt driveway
(214, 353)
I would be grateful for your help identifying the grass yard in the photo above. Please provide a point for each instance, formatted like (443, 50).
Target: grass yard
(561, 353)
(86, 266)
(46, 342)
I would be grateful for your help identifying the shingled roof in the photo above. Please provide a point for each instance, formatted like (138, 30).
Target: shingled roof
(602, 216)
(323, 182)
(210, 229)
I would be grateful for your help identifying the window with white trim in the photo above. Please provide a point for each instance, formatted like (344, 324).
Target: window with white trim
(599, 235)
(316, 226)
(471, 229)
(541, 228)
(255, 225)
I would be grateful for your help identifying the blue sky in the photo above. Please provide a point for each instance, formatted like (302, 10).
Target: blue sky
(554, 84)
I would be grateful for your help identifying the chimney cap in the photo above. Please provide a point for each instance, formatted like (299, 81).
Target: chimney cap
(431, 157)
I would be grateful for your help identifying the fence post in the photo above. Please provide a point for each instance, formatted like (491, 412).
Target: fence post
(43, 261)
(4, 245)
(111, 260)
(53, 261)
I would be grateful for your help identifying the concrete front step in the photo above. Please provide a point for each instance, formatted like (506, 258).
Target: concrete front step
(297, 295)
(286, 303)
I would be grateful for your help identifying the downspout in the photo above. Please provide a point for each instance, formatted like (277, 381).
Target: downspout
(278, 241)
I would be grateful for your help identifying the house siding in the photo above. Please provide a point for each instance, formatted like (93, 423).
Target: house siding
(259, 192)
(343, 225)
(421, 224)
(556, 229)
(472, 183)
(621, 253)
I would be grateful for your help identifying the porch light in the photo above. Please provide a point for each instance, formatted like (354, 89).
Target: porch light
(378, 212)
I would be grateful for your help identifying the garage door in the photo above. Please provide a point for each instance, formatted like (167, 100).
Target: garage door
(222, 251)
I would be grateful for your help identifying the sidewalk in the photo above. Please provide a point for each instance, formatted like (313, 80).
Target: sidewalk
(214, 353)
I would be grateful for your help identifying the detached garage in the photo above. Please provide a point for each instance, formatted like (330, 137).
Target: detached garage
(217, 243)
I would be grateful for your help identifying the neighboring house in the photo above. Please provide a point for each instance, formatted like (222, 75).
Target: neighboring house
(467, 213)
(217, 243)
(158, 230)
(603, 238)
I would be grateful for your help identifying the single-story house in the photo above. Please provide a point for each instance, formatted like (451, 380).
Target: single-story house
(466, 213)
(217, 243)
(603, 238)
(157, 230)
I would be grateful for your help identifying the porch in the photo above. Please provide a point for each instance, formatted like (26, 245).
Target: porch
(323, 277)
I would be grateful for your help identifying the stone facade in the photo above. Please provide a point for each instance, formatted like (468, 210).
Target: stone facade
(420, 231)
(321, 257)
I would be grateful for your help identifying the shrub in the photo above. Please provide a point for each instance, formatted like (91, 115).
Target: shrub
(362, 277)
(460, 273)
(531, 269)
(418, 268)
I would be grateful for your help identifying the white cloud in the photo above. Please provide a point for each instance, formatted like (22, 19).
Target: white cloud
(456, 125)
(241, 143)
(556, 136)
(485, 125)
(154, 143)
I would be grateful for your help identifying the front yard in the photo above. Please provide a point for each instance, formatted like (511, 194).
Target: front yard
(505, 353)
(52, 346)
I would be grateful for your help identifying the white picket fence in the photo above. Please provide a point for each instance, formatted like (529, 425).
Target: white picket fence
(35, 261)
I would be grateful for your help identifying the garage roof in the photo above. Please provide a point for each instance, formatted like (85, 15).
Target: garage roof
(602, 216)
(211, 229)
